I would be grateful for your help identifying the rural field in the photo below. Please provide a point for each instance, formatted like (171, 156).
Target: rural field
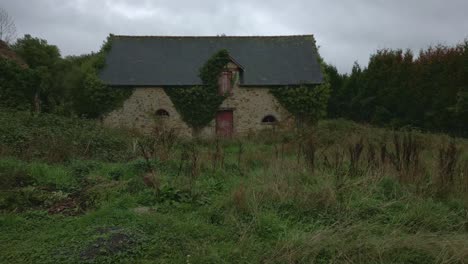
(228, 132)
(339, 192)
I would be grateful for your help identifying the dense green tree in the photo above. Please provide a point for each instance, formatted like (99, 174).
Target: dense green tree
(66, 86)
(43, 60)
(89, 96)
(348, 96)
(396, 89)
(336, 83)
(15, 89)
(461, 110)
(36, 52)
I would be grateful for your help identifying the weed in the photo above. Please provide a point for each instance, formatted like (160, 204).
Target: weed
(314, 197)
(310, 149)
(406, 156)
(217, 157)
(447, 166)
(240, 200)
(355, 152)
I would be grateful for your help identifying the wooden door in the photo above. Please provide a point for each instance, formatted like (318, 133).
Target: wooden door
(224, 123)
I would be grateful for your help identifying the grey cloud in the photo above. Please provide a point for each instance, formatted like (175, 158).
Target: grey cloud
(346, 31)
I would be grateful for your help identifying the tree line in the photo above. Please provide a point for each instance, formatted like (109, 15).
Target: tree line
(55, 84)
(398, 89)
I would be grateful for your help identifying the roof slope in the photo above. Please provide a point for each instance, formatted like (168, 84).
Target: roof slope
(167, 61)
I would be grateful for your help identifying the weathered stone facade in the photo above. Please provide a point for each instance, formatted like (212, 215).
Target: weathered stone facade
(249, 105)
(139, 112)
(151, 64)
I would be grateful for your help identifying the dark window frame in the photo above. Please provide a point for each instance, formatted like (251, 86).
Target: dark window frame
(269, 120)
(162, 113)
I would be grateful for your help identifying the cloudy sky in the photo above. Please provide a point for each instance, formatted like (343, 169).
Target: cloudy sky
(346, 31)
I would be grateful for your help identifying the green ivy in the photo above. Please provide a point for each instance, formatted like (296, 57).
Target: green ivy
(198, 105)
(308, 103)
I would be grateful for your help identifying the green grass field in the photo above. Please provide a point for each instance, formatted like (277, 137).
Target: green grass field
(72, 192)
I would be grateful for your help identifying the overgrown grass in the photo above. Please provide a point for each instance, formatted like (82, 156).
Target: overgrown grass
(55, 138)
(337, 193)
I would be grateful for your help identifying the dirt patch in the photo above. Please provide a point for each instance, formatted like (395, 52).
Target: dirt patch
(111, 241)
(70, 206)
(143, 210)
(75, 204)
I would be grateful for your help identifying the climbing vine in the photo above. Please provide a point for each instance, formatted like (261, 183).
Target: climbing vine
(198, 104)
(308, 103)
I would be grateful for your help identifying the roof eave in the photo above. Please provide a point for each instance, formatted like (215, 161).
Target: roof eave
(240, 85)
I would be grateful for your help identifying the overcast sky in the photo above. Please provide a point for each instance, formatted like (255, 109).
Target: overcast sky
(345, 30)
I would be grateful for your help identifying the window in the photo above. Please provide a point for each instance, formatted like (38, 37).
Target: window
(162, 113)
(269, 119)
(224, 83)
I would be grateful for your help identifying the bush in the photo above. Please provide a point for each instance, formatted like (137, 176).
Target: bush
(57, 139)
(13, 173)
(15, 85)
(28, 198)
(56, 177)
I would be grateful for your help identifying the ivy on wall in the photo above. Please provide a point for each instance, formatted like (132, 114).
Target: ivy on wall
(198, 104)
(308, 103)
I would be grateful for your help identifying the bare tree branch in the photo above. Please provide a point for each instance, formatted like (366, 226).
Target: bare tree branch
(7, 27)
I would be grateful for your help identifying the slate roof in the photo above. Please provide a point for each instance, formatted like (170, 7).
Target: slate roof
(175, 61)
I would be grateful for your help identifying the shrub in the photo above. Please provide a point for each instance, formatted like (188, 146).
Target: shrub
(15, 85)
(56, 139)
(56, 177)
(13, 174)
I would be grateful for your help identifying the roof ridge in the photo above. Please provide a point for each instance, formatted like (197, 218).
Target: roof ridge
(244, 36)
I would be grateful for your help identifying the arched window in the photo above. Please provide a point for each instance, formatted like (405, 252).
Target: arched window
(269, 119)
(162, 113)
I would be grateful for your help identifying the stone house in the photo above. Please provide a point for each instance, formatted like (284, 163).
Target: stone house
(151, 63)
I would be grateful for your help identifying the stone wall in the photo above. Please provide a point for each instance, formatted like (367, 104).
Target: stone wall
(139, 112)
(249, 105)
